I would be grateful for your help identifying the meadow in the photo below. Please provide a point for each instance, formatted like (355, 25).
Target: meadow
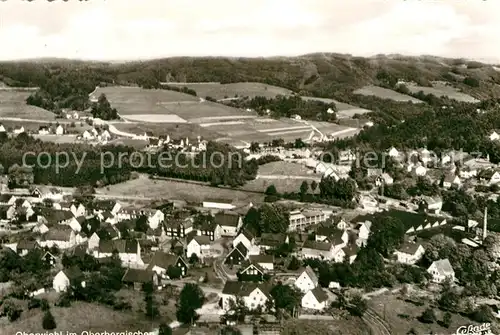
(222, 91)
(175, 131)
(165, 189)
(443, 90)
(13, 105)
(385, 93)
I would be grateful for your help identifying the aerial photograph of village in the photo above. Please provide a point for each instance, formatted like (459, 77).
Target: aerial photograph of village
(249, 168)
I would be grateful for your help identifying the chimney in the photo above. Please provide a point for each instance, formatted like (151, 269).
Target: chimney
(485, 224)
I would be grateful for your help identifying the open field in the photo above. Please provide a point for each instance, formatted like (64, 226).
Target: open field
(150, 188)
(136, 95)
(221, 91)
(285, 169)
(77, 318)
(443, 90)
(173, 130)
(385, 93)
(13, 104)
(165, 118)
(57, 138)
(395, 307)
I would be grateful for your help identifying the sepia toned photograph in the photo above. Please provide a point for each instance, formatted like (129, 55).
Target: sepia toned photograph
(318, 167)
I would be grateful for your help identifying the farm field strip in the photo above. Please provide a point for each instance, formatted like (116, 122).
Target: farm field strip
(227, 117)
(385, 93)
(349, 113)
(161, 118)
(226, 91)
(289, 132)
(447, 91)
(228, 123)
(284, 128)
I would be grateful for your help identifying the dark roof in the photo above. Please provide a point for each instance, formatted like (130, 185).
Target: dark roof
(262, 258)
(105, 205)
(247, 234)
(409, 219)
(242, 249)
(73, 273)
(409, 248)
(336, 237)
(227, 219)
(5, 197)
(219, 200)
(272, 240)
(242, 289)
(164, 260)
(59, 233)
(319, 294)
(81, 219)
(27, 245)
(325, 246)
(138, 276)
(351, 250)
(246, 264)
(201, 239)
(55, 215)
(122, 246)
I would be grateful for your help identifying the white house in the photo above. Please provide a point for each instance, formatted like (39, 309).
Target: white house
(198, 245)
(129, 251)
(451, 180)
(441, 270)
(218, 204)
(253, 295)
(246, 238)
(66, 278)
(230, 223)
(264, 261)
(315, 299)
(19, 130)
(393, 152)
(495, 178)
(2, 128)
(155, 218)
(78, 210)
(60, 130)
(307, 280)
(62, 237)
(432, 205)
(318, 250)
(364, 229)
(494, 136)
(409, 253)
(87, 135)
(43, 130)
(93, 241)
(161, 262)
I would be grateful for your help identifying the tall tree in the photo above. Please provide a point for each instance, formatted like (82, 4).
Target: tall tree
(191, 298)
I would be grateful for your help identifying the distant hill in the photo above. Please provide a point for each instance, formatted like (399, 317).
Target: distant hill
(325, 75)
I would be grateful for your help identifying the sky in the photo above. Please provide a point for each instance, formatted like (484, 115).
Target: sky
(145, 29)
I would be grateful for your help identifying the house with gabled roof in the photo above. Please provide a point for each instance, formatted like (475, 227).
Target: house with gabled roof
(270, 241)
(441, 270)
(78, 210)
(253, 295)
(49, 258)
(161, 262)
(317, 250)
(211, 229)
(129, 251)
(307, 280)
(315, 299)
(136, 278)
(179, 228)
(230, 223)
(263, 260)
(349, 253)
(245, 237)
(61, 236)
(67, 278)
(24, 246)
(451, 180)
(409, 253)
(237, 255)
(251, 271)
(199, 245)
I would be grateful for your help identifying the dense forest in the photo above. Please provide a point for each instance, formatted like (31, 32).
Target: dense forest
(80, 164)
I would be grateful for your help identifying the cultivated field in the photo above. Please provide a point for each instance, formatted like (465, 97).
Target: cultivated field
(175, 131)
(13, 104)
(385, 93)
(222, 91)
(443, 90)
(351, 326)
(285, 169)
(149, 188)
(57, 138)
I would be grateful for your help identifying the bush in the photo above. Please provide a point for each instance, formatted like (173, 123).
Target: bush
(428, 316)
(48, 322)
(446, 322)
(34, 303)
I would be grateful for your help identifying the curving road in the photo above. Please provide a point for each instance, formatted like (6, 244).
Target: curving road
(378, 325)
